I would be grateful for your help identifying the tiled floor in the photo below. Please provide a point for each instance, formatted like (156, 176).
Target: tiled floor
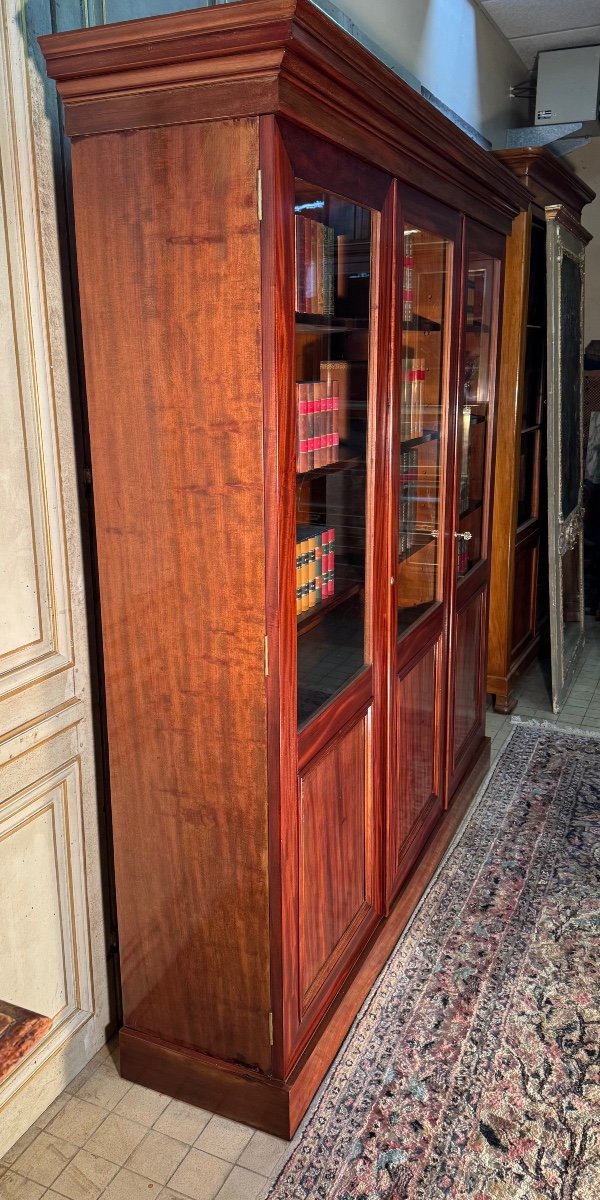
(582, 707)
(105, 1137)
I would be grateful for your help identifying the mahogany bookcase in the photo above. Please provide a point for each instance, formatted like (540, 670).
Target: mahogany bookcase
(290, 269)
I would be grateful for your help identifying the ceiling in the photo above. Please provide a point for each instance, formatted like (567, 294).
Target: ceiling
(534, 25)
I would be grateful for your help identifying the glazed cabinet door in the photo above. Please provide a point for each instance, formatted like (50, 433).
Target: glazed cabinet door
(420, 506)
(327, 249)
(482, 259)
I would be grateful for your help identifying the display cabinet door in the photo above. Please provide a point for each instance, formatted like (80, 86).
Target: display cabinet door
(565, 249)
(327, 243)
(421, 507)
(482, 256)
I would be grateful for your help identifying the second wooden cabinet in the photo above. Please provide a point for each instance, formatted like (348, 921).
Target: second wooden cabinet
(519, 590)
(291, 360)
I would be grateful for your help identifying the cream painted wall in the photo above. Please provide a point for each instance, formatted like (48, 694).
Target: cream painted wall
(454, 50)
(586, 163)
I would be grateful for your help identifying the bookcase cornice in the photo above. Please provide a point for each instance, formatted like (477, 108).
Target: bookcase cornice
(272, 56)
(547, 178)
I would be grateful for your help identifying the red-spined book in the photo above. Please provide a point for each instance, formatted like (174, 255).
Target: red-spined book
(324, 418)
(318, 402)
(335, 442)
(330, 457)
(302, 402)
(310, 409)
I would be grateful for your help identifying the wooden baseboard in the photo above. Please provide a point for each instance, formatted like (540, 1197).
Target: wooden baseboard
(277, 1106)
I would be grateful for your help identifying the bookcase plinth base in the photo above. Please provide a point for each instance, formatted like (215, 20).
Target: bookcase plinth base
(223, 1088)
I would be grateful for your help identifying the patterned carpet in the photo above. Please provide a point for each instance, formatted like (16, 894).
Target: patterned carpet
(473, 1069)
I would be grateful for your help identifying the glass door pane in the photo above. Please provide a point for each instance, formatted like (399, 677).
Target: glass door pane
(473, 410)
(422, 432)
(333, 281)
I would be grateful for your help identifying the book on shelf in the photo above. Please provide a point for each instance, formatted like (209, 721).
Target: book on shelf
(470, 307)
(465, 461)
(409, 475)
(336, 374)
(317, 411)
(411, 407)
(315, 244)
(315, 565)
(407, 280)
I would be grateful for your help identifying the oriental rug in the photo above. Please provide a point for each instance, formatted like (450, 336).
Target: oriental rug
(472, 1070)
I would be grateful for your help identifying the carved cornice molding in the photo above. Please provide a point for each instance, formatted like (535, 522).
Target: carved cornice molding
(269, 56)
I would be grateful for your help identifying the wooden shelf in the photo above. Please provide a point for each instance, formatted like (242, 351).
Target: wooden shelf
(431, 435)
(319, 323)
(412, 550)
(342, 464)
(471, 509)
(419, 324)
(313, 616)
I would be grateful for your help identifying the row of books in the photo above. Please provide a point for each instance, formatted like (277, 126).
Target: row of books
(315, 248)
(413, 386)
(315, 565)
(318, 441)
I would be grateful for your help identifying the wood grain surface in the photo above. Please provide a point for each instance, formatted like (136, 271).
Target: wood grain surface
(168, 244)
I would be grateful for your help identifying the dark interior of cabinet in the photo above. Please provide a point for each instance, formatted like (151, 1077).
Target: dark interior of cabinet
(332, 495)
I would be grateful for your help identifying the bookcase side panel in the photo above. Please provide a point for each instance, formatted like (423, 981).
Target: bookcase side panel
(169, 262)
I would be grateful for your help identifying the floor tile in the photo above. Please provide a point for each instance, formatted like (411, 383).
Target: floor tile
(262, 1153)
(116, 1138)
(22, 1144)
(141, 1104)
(182, 1121)
(77, 1121)
(200, 1175)
(52, 1110)
(126, 1185)
(85, 1177)
(168, 1194)
(44, 1159)
(15, 1187)
(224, 1138)
(105, 1087)
(157, 1157)
(241, 1185)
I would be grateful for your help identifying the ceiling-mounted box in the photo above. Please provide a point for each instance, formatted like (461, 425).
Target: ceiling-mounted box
(568, 86)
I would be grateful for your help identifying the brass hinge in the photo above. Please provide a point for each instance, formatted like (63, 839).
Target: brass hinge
(266, 655)
(270, 1028)
(259, 194)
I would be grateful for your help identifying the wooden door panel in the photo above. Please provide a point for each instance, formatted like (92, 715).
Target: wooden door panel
(416, 800)
(337, 886)
(523, 623)
(468, 679)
